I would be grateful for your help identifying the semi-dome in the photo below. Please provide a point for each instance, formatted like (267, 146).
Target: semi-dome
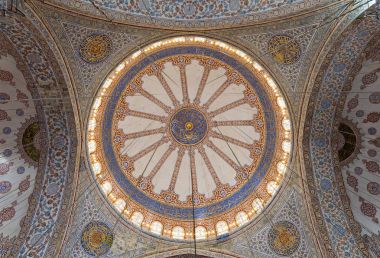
(189, 135)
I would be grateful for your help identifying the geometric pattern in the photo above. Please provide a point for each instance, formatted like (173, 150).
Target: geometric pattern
(284, 238)
(256, 242)
(287, 48)
(97, 238)
(95, 48)
(91, 208)
(92, 47)
(284, 49)
(207, 106)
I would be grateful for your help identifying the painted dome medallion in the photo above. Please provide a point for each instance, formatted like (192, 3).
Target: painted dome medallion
(186, 132)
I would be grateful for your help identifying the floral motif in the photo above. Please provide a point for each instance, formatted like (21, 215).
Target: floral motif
(372, 153)
(353, 103)
(4, 115)
(373, 188)
(372, 117)
(284, 238)
(24, 185)
(95, 48)
(369, 78)
(192, 128)
(36, 62)
(8, 213)
(5, 186)
(7, 246)
(368, 209)
(372, 166)
(332, 207)
(352, 181)
(284, 49)
(6, 76)
(188, 11)
(97, 238)
(4, 167)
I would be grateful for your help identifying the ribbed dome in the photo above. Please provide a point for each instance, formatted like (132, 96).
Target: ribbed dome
(189, 128)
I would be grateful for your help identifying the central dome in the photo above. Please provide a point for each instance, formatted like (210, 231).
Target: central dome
(189, 132)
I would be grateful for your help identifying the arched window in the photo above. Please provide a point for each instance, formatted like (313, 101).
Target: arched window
(156, 227)
(241, 218)
(257, 205)
(281, 167)
(120, 205)
(106, 187)
(137, 218)
(200, 233)
(178, 232)
(97, 168)
(286, 124)
(272, 187)
(221, 228)
(91, 146)
(286, 146)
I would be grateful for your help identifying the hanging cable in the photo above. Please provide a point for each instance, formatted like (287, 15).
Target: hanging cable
(193, 215)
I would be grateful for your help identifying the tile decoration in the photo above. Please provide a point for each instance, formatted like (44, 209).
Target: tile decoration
(343, 236)
(51, 182)
(287, 48)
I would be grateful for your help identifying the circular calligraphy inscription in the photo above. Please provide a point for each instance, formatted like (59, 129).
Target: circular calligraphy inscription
(188, 126)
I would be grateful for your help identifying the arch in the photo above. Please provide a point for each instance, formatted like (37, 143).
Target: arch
(106, 187)
(178, 232)
(323, 178)
(120, 204)
(200, 233)
(272, 187)
(189, 252)
(257, 205)
(45, 76)
(221, 228)
(241, 218)
(156, 227)
(137, 218)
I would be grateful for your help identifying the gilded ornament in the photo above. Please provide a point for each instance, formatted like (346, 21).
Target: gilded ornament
(284, 49)
(97, 238)
(284, 238)
(95, 48)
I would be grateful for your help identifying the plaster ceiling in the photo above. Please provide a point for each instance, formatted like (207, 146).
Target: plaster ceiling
(182, 130)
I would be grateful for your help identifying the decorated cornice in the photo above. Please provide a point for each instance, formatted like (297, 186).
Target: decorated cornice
(192, 15)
